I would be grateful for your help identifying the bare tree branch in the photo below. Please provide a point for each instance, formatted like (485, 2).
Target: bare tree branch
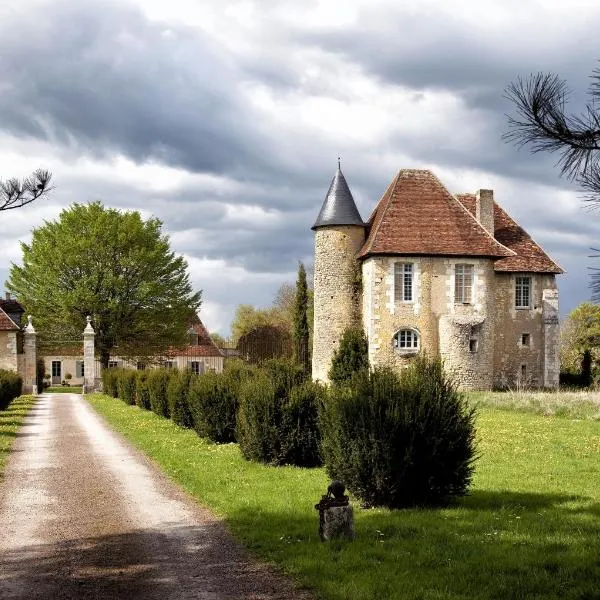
(15, 193)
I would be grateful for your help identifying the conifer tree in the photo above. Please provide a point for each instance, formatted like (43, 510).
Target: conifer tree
(301, 331)
(351, 356)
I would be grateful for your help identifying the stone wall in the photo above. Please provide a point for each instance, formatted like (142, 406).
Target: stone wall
(336, 291)
(8, 350)
(516, 364)
(443, 327)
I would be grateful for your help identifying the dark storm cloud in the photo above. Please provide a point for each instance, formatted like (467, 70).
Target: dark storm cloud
(99, 76)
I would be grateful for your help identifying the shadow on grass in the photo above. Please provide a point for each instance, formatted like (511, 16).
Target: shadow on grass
(185, 562)
(503, 545)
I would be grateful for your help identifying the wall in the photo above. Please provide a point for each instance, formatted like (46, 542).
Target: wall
(511, 323)
(336, 291)
(443, 326)
(8, 350)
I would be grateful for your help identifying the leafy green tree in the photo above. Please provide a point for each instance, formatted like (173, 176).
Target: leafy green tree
(15, 193)
(351, 356)
(115, 267)
(580, 341)
(247, 319)
(301, 332)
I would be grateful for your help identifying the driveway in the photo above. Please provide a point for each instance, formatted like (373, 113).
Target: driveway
(84, 515)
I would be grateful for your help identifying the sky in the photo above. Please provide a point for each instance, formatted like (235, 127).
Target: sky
(225, 119)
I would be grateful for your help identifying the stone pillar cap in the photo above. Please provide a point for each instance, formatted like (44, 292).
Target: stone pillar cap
(29, 328)
(89, 330)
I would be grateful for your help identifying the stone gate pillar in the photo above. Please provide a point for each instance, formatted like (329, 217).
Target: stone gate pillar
(89, 358)
(30, 351)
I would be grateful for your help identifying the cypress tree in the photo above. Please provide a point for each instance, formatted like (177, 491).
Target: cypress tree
(301, 332)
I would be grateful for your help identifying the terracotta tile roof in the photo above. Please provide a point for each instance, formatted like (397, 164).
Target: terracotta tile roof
(529, 256)
(205, 346)
(417, 215)
(6, 323)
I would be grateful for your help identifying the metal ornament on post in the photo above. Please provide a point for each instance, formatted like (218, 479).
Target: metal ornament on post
(336, 515)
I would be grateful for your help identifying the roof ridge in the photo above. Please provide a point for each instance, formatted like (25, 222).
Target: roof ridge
(472, 216)
(4, 314)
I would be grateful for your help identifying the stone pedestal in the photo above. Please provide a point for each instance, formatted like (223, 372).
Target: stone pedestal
(89, 358)
(30, 351)
(338, 523)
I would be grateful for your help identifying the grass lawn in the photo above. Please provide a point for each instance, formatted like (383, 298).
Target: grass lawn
(530, 528)
(10, 420)
(63, 389)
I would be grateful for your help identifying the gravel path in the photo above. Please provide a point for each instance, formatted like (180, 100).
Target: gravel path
(84, 515)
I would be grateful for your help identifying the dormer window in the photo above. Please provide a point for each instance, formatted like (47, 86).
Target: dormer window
(406, 341)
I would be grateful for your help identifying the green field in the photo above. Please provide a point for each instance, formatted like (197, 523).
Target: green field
(10, 420)
(529, 529)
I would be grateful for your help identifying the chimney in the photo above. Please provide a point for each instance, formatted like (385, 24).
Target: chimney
(7, 295)
(484, 209)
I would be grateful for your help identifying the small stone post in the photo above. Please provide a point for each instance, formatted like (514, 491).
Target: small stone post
(30, 350)
(89, 358)
(336, 515)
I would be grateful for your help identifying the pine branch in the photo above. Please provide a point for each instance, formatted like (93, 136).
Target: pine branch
(16, 194)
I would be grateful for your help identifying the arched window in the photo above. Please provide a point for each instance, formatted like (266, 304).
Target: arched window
(406, 341)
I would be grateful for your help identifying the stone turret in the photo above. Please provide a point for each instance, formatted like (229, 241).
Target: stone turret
(339, 235)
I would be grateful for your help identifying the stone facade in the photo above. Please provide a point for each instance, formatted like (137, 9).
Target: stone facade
(336, 291)
(502, 333)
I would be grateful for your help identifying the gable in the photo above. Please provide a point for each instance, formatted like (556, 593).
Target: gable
(528, 256)
(6, 323)
(417, 215)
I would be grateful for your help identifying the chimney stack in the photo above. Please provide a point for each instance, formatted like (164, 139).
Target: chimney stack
(484, 209)
(7, 295)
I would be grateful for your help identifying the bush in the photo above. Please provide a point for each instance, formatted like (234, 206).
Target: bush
(126, 385)
(177, 391)
(157, 382)
(278, 416)
(109, 382)
(10, 387)
(142, 393)
(40, 373)
(299, 432)
(256, 420)
(351, 356)
(213, 400)
(400, 440)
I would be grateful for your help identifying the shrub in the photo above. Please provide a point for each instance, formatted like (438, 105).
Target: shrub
(278, 416)
(351, 356)
(40, 373)
(299, 432)
(109, 382)
(142, 393)
(256, 420)
(400, 440)
(177, 391)
(126, 385)
(213, 402)
(157, 382)
(10, 387)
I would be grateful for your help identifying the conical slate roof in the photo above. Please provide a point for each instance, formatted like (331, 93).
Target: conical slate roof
(339, 207)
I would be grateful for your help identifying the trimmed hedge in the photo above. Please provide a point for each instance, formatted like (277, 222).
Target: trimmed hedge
(277, 421)
(158, 380)
(110, 379)
(142, 393)
(213, 402)
(177, 398)
(400, 440)
(10, 387)
(126, 385)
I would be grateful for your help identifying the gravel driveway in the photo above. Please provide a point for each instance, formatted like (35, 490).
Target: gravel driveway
(84, 515)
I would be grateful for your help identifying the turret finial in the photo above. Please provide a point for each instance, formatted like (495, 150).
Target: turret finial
(339, 162)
